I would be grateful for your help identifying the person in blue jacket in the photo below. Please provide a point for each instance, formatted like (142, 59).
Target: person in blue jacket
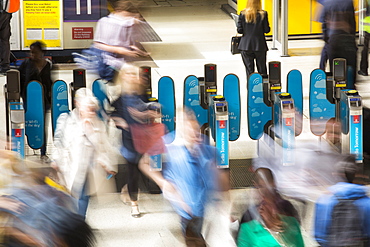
(342, 190)
(189, 176)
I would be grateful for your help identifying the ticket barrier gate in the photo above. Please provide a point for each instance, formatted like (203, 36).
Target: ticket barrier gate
(351, 123)
(218, 116)
(336, 111)
(275, 117)
(15, 122)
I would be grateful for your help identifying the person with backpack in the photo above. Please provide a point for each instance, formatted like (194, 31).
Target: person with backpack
(7, 7)
(342, 218)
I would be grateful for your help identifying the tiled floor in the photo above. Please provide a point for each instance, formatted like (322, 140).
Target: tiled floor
(193, 33)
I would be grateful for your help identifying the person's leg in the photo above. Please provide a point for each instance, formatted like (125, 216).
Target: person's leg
(324, 57)
(5, 41)
(133, 188)
(83, 201)
(248, 60)
(261, 62)
(193, 231)
(364, 64)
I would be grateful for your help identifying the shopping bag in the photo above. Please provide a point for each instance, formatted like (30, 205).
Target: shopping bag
(235, 40)
(147, 138)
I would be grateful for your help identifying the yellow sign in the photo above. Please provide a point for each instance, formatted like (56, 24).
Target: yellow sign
(42, 22)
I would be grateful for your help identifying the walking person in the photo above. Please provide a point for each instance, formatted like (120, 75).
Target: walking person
(364, 63)
(38, 68)
(114, 38)
(131, 109)
(273, 221)
(339, 26)
(83, 151)
(253, 24)
(189, 176)
(7, 7)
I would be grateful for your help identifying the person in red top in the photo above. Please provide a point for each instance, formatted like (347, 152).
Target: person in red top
(7, 7)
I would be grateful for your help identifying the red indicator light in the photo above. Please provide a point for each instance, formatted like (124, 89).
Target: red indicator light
(211, 67)
(80, 72)
(18, 133)
(356, 119)
(276, 65)
(146, 70)
(288, 122)
(222, 124)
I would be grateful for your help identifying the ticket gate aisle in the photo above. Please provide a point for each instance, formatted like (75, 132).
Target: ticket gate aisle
(275, 118)
(336, 111)
(218, 115)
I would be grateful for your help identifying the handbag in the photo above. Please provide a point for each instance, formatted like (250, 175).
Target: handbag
(147, 138)
(235, 40)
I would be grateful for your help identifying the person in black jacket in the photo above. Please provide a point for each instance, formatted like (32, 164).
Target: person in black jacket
(339, 29)
(38, 68)
(253, 24)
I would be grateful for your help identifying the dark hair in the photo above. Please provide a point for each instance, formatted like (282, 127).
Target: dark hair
(123, 5)
(349, 167)
(39, 45)
(72, 229)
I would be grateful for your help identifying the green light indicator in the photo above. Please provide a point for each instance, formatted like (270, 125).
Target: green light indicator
(336, 63)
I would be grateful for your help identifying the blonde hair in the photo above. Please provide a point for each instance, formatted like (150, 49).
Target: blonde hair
(127, 86)
(250, 12)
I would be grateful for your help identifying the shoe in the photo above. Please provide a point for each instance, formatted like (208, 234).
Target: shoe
(45, 159)
(135, 211)
(360, 72)
(125, 198)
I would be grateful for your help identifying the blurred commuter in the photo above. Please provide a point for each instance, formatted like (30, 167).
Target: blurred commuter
(83, 149)
(38, 68)
(189, 175)
(7, 7)
(339, 29)
(131, 109)
(342, 218)
(34, 214)
(364, 63)
(114, 38)
(324, 53)
(273, 221)
(253, 24)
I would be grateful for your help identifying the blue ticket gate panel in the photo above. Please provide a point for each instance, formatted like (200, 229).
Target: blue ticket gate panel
(99, 90)
(220, 119)
(259, 114)
(166, 97)
(191, 99)
(59, 101)
(321, 110)
(17, 127)
(351, 123)
(295, 89)
(232, 96)
(35, 115)
(284, 126)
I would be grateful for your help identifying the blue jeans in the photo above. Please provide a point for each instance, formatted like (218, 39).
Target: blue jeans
(83, 201)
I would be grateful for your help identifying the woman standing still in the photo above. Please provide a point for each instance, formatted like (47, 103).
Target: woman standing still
(253, 24)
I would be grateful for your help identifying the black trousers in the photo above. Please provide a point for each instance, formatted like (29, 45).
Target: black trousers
(343, 46)
(364, 64)
(4, 40)
(248, 60)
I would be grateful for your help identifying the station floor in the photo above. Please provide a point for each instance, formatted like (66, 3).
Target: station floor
(193, 33)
